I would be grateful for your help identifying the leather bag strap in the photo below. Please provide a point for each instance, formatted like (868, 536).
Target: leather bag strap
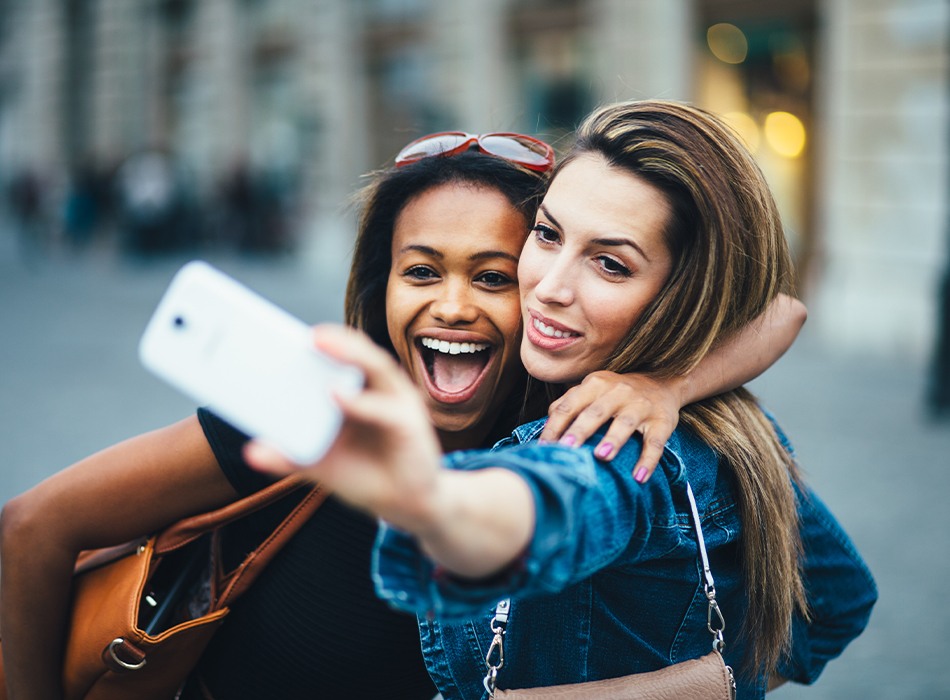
(189, 529)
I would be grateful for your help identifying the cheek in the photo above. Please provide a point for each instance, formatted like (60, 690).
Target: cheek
(615, 327)
(528, 268)
(397, 321)
(505, 315)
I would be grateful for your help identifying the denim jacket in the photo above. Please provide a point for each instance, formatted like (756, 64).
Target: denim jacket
(610, 583)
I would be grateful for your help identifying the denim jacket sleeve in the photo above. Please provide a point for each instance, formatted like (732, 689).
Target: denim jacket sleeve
(590, 513)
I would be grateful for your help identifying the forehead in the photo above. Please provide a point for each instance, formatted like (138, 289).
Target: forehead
(460, 218)
(588, 195)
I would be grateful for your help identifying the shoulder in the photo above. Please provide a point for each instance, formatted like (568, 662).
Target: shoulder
(684, 454)
(227, 443)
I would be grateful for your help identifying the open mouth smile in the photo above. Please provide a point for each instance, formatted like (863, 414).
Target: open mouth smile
(454, 370)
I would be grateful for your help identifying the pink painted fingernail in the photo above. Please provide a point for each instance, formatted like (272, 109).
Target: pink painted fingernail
(568, 440)
(603, 451)
(641, 475)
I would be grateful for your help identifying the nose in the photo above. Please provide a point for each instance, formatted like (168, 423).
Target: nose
(555, 284)
(455, 306)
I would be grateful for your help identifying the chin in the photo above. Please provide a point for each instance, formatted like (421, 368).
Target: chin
(545, 372)
(450, 420)
(446, 420)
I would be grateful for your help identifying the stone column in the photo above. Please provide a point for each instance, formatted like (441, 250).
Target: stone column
(472, 61)
(214, 125)
(644, 49)
(333, 118)
(40, 120)
(881, 111)
(117, 78)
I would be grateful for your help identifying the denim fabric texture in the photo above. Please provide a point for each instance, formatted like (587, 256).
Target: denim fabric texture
(611, 582)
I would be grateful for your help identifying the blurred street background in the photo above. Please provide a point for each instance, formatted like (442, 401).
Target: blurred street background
(138, 134)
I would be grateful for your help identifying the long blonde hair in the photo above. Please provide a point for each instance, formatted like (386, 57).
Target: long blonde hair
(730, 261)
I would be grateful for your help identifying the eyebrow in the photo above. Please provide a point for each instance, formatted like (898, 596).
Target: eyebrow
(613, 242)
(480, 255)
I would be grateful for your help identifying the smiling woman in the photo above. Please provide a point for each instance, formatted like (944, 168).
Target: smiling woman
(452, 303)
(597, 257)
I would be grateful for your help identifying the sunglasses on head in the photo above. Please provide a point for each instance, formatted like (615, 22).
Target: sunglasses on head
(526, 151)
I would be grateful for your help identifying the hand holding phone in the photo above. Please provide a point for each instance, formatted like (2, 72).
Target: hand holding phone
(248, 361)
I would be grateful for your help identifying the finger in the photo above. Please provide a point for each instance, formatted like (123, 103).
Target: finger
(618, 434)
(564, 412)
(560, 415)
(650, 456)
(590, 420)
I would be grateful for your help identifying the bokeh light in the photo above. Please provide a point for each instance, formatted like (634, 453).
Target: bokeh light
(785, 133)
(727, 43)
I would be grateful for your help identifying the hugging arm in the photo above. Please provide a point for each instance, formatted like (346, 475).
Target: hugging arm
(123, 492)
(650, 405)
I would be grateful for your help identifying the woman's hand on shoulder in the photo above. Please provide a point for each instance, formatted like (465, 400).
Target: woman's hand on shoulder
(633, 403)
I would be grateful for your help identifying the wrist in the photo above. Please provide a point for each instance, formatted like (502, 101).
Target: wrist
(682, 388)
(415, 507)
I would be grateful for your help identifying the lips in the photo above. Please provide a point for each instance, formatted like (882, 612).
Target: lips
(454, 368)
(547, 334)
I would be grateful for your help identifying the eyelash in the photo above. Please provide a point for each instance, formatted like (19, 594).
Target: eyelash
(541, 231)
(491, 279)
(420, 272)
(623, 270)
(501, 280)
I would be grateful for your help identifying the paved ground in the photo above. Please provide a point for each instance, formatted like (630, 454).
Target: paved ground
(70, 383)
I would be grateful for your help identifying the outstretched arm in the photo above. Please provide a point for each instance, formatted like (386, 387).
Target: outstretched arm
(639, 403)
(387, 461)
(123, 492)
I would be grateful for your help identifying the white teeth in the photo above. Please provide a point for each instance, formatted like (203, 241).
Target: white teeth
(448, 348)
(551, 331)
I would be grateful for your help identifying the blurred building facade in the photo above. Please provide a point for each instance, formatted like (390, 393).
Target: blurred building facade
(845, 103)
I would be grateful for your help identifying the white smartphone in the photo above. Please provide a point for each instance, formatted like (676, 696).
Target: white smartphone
(249, 361)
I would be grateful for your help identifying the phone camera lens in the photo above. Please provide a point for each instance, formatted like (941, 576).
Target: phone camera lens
(179, 322)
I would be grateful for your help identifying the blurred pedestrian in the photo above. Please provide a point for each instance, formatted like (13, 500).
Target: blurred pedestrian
(147, 193)
(83, 206)
(25, 197)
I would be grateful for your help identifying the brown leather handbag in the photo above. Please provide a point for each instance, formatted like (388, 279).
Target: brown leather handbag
(142, 613)
(705, 678)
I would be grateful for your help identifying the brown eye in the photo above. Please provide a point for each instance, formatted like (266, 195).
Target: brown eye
(613, 267)
(494, 279)
(545, 234)
(420, 272)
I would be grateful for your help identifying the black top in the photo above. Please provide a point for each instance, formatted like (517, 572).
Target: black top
(311, 625)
